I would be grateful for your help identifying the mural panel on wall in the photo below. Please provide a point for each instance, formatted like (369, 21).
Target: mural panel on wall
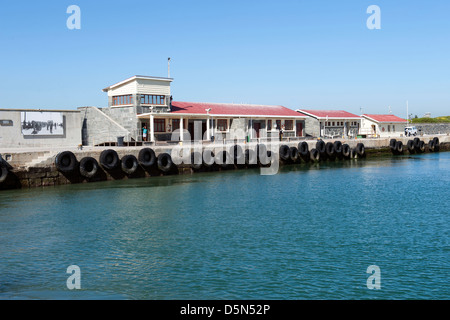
(36, 123)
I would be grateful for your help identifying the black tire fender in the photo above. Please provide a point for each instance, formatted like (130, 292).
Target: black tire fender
(196, 160)
(431, 145)
(293, 154)
(410, 146)
(393, 144)
(208, 158)
(164, 161)
(3, 172)
(251, 157)
(88, 167)
(399, 147)
(422, 146)
(338, 147)
(147, 157)
(109, 159)
(320, 146)
(360, 150)
(129, 164)
(223, 159)
(314, 155)
(284, 152)
(66, 162)
(329, 148)
(303, 148)
(346, 150)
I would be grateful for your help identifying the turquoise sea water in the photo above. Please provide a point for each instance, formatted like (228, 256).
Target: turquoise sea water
(309, 232)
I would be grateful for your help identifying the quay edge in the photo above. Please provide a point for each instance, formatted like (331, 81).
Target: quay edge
(36, 168)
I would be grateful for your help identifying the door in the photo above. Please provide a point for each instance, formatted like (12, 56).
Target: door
(299, 126)
(257, 127)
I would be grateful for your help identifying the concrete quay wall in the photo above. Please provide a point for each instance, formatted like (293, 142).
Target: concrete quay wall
(43, 172)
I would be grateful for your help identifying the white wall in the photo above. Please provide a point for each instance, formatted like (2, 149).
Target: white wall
(12, 137)
(383, 130)
(153, 87)
(142, 86)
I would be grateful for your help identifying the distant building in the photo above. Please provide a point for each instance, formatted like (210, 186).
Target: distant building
(331, 123)
(427, 115)
(382, 125)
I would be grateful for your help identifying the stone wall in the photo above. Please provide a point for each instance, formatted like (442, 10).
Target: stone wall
(433, 128)
(98, 128)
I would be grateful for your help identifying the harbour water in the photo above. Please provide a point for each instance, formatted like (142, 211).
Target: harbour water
(309, 232)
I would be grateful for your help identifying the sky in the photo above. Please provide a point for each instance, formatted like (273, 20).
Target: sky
(300, 54)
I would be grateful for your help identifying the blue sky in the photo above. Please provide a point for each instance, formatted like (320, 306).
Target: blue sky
(300, 54)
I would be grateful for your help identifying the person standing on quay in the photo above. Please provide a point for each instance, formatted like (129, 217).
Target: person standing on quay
(144, 133)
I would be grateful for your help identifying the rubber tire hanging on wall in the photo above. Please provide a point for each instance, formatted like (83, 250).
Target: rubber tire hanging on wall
(314, 155)
(129, 164)
(338, 147)
(196, 160)
(251, 157)
(88, 167)
(109, 159)
(399, 147)
(3, 172)
(66, 162)
(410, 146)
(431, 145)
(393, 145)
(421, 146)
(164, 162)
(223, 159)
(208, 161)
(436, 144)
(320, 146)
(147, 157)
(293, 154)
(303, 148)
(346, 151)
(284, 152)
(360, 150)
(329, 149)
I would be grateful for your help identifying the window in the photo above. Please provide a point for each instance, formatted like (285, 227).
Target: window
(333, 124)
(222, 124)
(153, 99)
(389, 128)
(278, 123)
(342, 124)
(289, 124)
(269, 125)
(122, 100)
(176, 124)
(393, 128)
(160, 125)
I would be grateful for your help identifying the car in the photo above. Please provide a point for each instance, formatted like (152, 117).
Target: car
(410, 131)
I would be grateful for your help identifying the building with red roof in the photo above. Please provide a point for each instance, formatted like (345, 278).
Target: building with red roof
(331, 123)
(143, 104)
(382, 125)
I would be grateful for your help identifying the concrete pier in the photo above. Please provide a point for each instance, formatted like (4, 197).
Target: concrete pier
(36, 167)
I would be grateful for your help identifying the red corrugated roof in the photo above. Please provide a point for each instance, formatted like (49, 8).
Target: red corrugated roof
(384, 118)
(329, 113)
(232, 109)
